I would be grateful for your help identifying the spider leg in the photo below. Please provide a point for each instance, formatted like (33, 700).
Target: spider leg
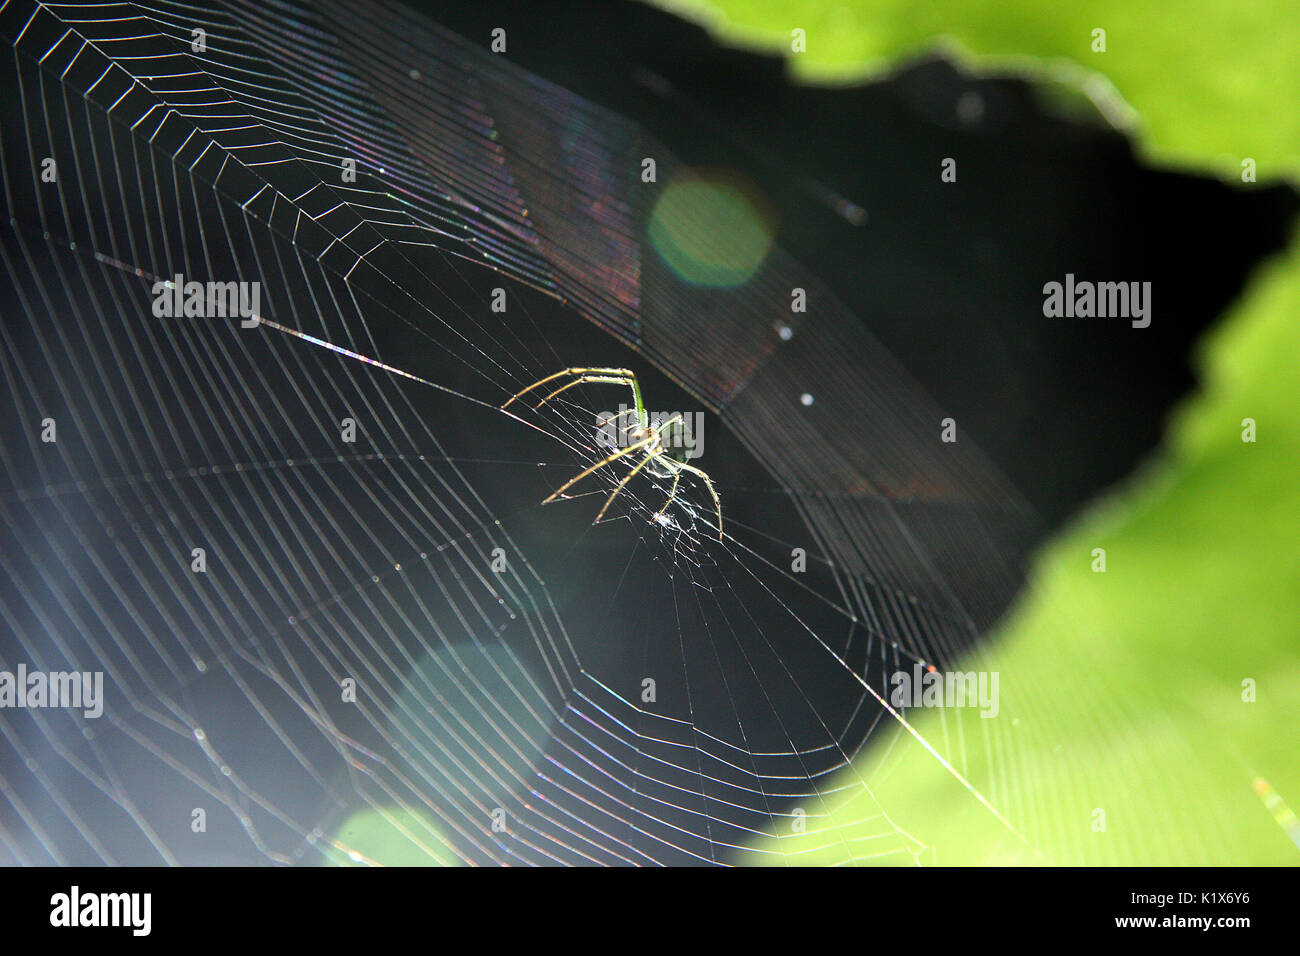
(672, 492)
(597, 466)
(624, 376)
(626, 478)
(603, 421)
(661, 428)
(588, 378)
(708, 483)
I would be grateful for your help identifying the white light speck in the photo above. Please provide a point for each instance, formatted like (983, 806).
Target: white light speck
(970, 107)
(806, 398)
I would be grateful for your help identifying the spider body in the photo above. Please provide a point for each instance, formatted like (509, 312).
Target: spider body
(659, 445)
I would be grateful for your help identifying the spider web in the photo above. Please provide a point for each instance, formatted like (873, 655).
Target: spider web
(500, 650)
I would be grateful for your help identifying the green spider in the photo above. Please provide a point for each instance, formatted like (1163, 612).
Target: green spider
(664, 456)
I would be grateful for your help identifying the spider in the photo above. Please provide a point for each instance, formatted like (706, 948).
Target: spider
(664, 451)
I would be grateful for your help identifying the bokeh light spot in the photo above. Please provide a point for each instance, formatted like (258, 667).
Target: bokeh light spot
(712, 227)
(392, 837)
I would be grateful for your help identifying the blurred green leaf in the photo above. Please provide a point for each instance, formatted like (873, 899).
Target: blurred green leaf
(1121, 692)
(1211, 82)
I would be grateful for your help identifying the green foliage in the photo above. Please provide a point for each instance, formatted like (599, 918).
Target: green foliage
(1121, 691)
(1211, 82)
